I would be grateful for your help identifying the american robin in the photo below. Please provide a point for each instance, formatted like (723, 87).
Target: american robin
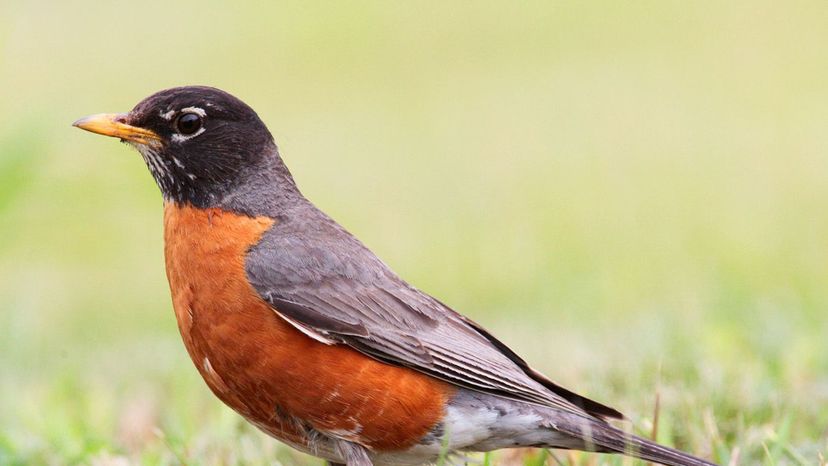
(301, 329)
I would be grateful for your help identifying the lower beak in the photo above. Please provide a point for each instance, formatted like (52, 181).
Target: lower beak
(112, 124)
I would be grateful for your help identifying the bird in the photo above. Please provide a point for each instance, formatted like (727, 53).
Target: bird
(296, 325)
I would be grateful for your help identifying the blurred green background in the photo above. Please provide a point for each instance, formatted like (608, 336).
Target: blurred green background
(634, 195)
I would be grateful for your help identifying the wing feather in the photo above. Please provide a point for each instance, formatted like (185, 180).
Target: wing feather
(352, 298)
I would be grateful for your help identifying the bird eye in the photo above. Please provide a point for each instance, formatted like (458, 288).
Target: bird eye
(188, 123)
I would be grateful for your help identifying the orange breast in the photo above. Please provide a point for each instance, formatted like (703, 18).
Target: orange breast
(265, 369)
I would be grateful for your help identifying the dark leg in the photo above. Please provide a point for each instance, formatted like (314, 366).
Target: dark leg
(335, 464)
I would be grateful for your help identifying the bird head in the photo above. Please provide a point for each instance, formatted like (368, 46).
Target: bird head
(199, 143)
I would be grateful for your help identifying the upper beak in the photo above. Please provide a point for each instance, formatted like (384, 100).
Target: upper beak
(112, 124)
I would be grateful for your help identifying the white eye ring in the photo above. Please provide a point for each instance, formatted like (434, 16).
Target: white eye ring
(178, 137)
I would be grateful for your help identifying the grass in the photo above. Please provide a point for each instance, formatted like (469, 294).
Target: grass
(633, 196)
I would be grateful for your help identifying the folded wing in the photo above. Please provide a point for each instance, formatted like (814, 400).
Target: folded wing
(350, 297)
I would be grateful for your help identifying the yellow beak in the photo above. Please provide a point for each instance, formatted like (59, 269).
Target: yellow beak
(111, 124)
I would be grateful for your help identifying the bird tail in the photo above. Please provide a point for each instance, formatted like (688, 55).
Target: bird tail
(601, 436)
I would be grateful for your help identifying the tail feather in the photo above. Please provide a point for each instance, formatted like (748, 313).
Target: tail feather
(603, 437)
